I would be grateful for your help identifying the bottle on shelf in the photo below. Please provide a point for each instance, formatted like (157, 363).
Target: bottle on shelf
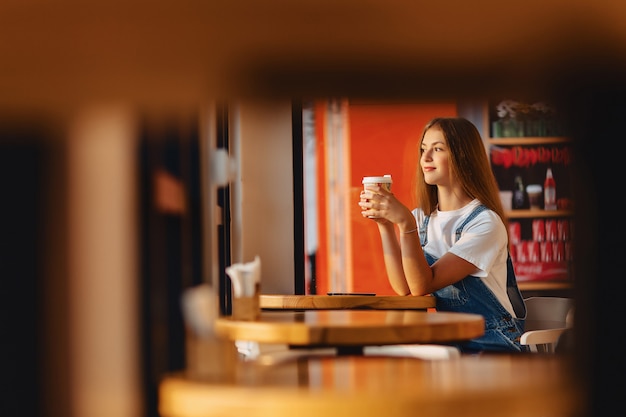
(519, 194)
(549, 191)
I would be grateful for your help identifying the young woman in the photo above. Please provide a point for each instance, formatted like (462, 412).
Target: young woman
(455, 244)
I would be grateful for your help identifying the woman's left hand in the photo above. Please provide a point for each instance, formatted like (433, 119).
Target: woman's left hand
(382, 206)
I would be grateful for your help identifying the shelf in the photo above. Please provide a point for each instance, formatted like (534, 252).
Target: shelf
(544, 285)
(529, 140)
(510, 153)
(527, 214)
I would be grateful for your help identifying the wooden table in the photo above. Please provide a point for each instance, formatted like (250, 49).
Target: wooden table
(337, 302)
(471, 386)
(350, 330)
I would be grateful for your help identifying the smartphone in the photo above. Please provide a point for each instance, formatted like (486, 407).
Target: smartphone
(351, 293)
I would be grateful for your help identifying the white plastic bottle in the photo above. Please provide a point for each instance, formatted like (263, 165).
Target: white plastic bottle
(549, 191)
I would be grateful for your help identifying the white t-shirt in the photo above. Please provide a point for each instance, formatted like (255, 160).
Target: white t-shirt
(483, 243)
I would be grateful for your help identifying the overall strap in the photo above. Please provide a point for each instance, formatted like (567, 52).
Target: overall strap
(423, 231)
(424, 226)
(468, 219)
(515, 296)
(512, 290)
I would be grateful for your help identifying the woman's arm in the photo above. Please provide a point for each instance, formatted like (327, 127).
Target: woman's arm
(393, 259)
(407, 268)
(426, 279)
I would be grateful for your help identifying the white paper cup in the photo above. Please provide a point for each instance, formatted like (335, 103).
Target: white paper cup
(534, 195)
(384, 181)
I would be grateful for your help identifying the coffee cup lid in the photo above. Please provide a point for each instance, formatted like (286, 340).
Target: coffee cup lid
(375, 180)
(533, 188)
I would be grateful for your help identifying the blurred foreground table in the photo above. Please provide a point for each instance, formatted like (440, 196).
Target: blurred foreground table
(350, 330)
(485, 385)
(338, 302)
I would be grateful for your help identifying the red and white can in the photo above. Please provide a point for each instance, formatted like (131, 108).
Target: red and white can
(558, 249)
(515, 232)
(563, 229)
(539, 231)
(546, 251)
(533, 251)
(569, 255)
(551, 230)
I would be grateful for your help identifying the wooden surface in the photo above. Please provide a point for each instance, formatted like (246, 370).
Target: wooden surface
(485, 385)
(330, 302)
(352, 327)
(173, 53)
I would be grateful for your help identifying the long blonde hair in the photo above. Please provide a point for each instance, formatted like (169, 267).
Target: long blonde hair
(468, 162)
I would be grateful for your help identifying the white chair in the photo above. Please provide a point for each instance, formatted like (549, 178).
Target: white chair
(273, 354)
(425, 351)
(546, 319)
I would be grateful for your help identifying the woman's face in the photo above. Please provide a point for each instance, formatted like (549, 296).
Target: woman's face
(435, 158)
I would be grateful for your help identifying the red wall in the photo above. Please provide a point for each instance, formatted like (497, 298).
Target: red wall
(383, 140)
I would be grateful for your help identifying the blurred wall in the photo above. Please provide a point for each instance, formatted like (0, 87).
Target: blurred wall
(267, 192)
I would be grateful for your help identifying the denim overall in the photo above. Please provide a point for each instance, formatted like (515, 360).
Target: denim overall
(471, 295)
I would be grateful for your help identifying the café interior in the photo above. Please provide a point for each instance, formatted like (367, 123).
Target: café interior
(147, 146)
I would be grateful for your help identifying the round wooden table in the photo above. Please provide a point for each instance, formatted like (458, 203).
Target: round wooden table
(338, 302)
(350, 330)
(361, 386)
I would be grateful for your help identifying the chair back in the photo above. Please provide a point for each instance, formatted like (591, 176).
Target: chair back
(547, 312)
(546, 319)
